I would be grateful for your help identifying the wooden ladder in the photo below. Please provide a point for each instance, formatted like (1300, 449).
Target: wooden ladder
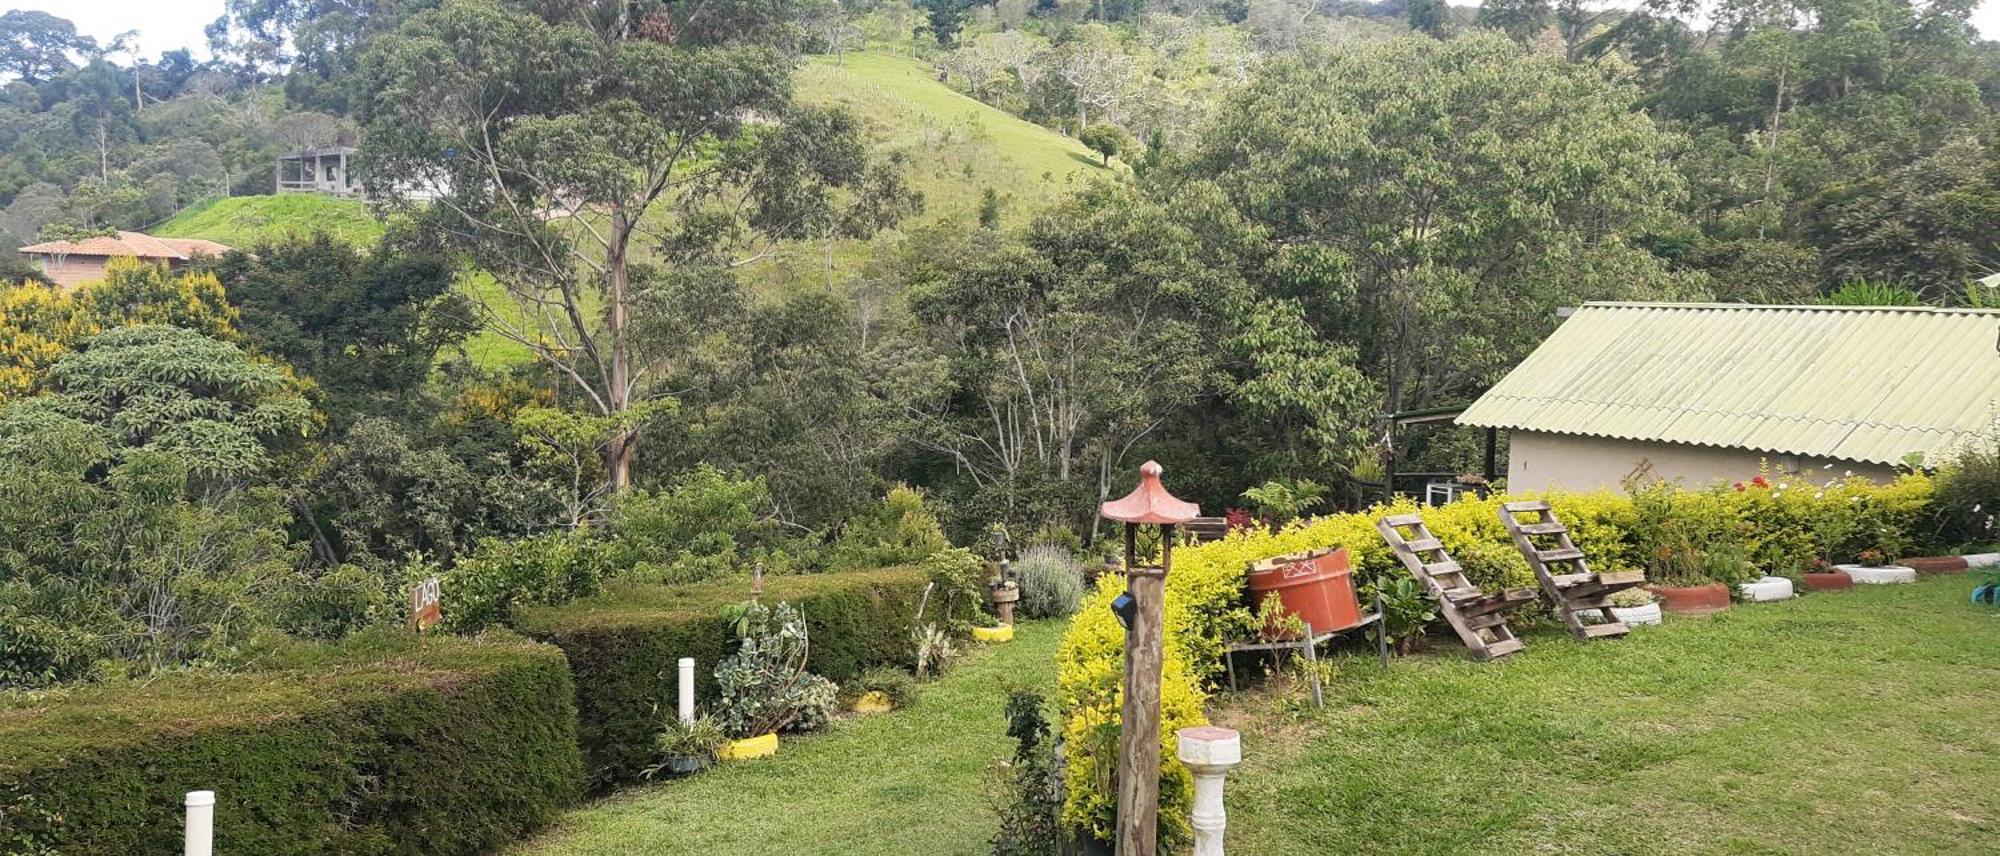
(1564, 572)
(1479, 618)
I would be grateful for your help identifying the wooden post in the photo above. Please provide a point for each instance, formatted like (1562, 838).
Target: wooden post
(1139, 722)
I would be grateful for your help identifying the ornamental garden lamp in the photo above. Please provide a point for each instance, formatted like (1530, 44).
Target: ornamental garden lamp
(1139, 609)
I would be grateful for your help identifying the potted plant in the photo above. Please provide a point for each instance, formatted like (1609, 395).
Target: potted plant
(1692, 561)
(1632, 606)
(885, 688)
(1684, 580)
(684, 748)
(1874, 566)
(1820, 576)
(765, 687)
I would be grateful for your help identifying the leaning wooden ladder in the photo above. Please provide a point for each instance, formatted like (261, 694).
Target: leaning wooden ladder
(1576, 591)
(1479, 618)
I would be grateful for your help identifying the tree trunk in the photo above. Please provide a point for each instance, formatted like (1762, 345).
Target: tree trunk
(618, 450)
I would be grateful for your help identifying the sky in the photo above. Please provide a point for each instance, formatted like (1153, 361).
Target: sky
(168, 24)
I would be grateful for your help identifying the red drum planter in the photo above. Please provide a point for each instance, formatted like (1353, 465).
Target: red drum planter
(1318, 587)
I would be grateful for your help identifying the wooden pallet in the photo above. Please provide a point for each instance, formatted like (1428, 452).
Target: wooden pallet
(1480, 619)
(1564, 573)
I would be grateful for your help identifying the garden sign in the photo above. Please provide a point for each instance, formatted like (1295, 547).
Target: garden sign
(424, 610)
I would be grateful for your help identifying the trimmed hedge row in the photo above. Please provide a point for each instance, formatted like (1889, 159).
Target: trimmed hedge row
(386, 744)
(623, 647)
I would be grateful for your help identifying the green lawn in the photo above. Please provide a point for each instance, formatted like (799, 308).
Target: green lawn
(1861, 722)
(241, 221)
(909, 782)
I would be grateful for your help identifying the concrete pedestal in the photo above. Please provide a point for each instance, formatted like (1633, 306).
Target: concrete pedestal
(1210, 753)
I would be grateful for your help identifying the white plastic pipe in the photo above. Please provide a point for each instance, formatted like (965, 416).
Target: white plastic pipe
(687, 689)
(200, 823)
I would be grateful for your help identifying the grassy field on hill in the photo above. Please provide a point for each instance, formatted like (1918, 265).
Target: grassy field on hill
(954, 149)
(240, 221)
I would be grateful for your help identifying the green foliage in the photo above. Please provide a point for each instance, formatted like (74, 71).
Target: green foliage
(366, 327)
(900, 530)
(1968, 495)
(897, 684)
(1051, 581)
(491, 585)
(764, 687)
(957, 596)
(694, 743)
(1281, 502)
(1027, 794)
(623, 645)
(706, 525)
(1865, 293)
(125, 561)
(1107, 140)
(174, 391)
(462, 744)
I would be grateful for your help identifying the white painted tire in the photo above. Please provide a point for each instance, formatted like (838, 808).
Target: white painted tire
(1768, 588)
(1637, 615)
(1880, 576)
(1634, 615)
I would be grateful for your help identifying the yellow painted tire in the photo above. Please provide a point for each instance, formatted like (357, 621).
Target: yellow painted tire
(755, 747)
(1003, 633)
(873, 701)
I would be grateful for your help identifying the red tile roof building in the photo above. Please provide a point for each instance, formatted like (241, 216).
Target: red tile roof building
(73, 263)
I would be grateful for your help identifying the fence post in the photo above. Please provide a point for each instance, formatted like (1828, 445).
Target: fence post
(200, 823)
(1209, 752)
(687, 689)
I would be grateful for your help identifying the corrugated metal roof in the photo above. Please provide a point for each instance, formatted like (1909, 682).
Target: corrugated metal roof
(1855, 383)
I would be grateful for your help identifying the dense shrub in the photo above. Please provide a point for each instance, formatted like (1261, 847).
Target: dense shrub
(902, 529)
(623, 646)
(385, 744)
(1761, 520)
(706, 525)
(501, 576)
(1051, 581)
(1968, 496)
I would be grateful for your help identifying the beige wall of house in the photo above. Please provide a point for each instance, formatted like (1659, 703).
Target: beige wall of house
(73, 270)
(1542, 461)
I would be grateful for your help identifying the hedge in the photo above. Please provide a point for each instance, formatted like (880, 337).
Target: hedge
(623, 647)
(1774, 522)
(386, 744)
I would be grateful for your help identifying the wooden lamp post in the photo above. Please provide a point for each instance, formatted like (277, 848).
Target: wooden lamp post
(1139, 608)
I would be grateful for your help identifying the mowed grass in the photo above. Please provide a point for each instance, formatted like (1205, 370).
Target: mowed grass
(912, 782)
(244, 221)
(1858, 722)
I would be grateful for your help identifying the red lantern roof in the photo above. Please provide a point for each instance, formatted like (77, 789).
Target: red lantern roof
(1150, 502)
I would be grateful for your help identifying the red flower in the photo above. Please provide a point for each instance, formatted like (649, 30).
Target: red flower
(1760, 481)
(1738, 486)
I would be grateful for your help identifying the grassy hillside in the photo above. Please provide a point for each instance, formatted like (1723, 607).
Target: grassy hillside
(953, 147)
(240, 221)
(957, 147)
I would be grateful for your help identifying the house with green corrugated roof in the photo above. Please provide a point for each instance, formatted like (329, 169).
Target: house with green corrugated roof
(1699, 393)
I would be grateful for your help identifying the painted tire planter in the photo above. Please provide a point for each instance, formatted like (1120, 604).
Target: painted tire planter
(1632, 615)
(750, 747)
(1830, 581)
(1767, 589)
(873, 701)
(1887, 575)
(1693, 600)
(1003, 633)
